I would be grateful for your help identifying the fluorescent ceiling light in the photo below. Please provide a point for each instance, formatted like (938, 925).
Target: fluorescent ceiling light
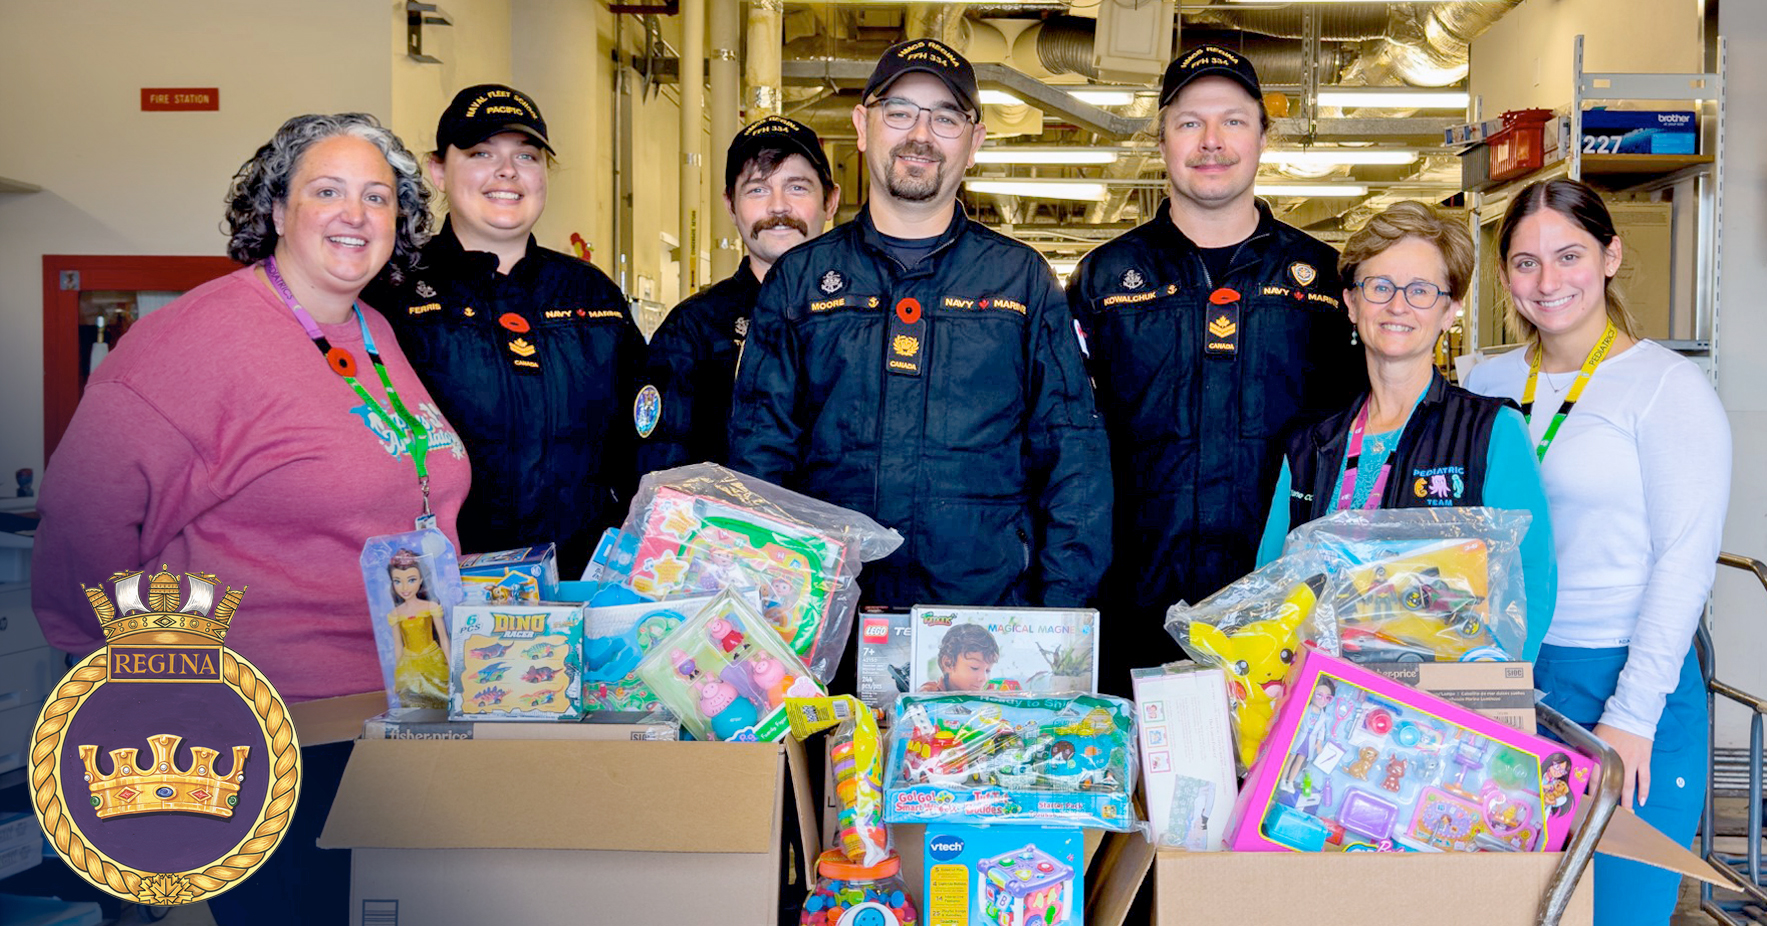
(1064, 266)
(1392, 98)
(1000, 98)
(1085, 190)
(1027, 154)
(1310, 189)
(1326, 157)
(1102, 97)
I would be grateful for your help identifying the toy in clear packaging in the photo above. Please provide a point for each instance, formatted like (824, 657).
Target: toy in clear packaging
(615, 638)
(850, 894)
(1253, 630)
(516, 662)
(412, 581)
(1359, 762)
(855, 758)
(1424, 584)
(725, 675)
(701, 529)
(1004, 758)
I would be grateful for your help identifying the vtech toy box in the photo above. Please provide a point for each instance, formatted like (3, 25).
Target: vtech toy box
(1003, 876)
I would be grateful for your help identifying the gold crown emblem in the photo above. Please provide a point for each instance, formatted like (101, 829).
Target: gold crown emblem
(161, 619)
(132, 788)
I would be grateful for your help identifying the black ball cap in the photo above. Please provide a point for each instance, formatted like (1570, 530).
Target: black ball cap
(480, 112)
(1208, 61)
(774, 133)
(928, 56)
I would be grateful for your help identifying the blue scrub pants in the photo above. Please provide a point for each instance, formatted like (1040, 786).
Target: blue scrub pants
(1578, 682)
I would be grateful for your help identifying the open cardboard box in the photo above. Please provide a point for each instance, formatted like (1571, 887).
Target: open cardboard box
(1355, 889)
(510, 831)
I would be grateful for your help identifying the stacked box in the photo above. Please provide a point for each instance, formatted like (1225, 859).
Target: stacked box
(516, 662)
(525, 574)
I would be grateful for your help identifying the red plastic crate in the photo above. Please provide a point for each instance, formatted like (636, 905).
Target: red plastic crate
(1519, 146)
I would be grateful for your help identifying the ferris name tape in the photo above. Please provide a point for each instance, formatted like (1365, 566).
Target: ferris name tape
(1625, 131)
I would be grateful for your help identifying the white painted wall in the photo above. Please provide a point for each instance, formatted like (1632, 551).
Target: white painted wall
(120, 181)
(1740, 615)
(1524, 59)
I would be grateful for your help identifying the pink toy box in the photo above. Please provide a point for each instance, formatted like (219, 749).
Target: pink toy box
(1360, 763)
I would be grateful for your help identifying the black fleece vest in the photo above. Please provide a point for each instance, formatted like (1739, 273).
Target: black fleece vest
(1440, 460)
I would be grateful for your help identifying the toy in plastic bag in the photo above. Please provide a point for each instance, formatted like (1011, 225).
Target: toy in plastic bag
(725, 675)
(703, 528)
(855, 756)
(413, 583)
(1424, 584)
(1006, 758)
(1253, 631)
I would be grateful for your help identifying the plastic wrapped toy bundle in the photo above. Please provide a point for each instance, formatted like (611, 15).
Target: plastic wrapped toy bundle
(726, 675)
(1424, 584)
(702, 528)
(855, 755)
(1003, 758)
(1253, 631)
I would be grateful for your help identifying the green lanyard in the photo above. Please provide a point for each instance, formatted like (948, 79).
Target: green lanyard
(415, 439)
(1596, 355)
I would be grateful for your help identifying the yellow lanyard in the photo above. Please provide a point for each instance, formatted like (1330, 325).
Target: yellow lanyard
(1596, 355)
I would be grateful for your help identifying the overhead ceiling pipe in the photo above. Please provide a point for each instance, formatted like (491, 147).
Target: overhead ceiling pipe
(1063, 45)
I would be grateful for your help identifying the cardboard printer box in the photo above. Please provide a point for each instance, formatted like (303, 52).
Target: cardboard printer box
(551, 831)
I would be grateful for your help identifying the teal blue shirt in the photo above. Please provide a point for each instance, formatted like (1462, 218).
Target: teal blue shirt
(1512, 481)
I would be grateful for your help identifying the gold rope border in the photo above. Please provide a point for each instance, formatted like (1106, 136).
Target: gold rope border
(126, 882)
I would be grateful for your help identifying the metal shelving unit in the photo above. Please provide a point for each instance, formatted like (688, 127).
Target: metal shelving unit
(1696, 179)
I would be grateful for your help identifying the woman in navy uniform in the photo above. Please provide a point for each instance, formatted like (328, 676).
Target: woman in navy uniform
(531, 353)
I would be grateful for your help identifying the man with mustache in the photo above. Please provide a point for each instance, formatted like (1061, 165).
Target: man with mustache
(918, 367)
(1212, 328)
(780, 192)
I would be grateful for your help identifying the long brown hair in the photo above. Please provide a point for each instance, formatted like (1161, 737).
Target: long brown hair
(1581, 206)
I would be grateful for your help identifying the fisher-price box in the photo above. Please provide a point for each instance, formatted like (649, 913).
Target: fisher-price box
(525, 574)
(1003, 876)
(1360, 763)
(516, 662)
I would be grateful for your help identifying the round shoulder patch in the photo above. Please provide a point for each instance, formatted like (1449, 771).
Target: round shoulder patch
(647, 410)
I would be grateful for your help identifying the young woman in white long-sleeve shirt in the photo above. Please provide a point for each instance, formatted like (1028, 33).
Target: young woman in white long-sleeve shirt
(1635, 457)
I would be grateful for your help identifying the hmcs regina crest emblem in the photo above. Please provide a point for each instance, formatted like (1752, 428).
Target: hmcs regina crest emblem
(164, 768)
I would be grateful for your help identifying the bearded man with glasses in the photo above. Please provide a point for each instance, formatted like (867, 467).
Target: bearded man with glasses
(918, 367)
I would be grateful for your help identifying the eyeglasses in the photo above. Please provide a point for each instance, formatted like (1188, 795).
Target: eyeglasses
(901, 115)
(1420, 294)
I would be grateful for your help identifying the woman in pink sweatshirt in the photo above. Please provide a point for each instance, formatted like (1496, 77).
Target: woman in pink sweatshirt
(260, 428)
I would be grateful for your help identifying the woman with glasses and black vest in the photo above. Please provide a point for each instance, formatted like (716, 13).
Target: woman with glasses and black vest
(1414, 440)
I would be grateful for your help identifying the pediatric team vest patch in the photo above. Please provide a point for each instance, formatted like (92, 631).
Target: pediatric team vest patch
(647, 410)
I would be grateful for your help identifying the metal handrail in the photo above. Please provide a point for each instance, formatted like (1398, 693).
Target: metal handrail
(1749, 886)
(1602, 805)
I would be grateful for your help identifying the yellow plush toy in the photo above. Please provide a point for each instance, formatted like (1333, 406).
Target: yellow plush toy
(1256, 657)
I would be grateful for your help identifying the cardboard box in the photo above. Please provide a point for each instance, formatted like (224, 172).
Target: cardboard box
(433, 724)
(517, 661)
(1024, 874)
(1502, 691)
(1646, 280)
(1628, 131)
(523, 574)
(21, 842)
(885, 652)
(1338, 889)
(1043, 650)
(1186, 755)
(488, 831)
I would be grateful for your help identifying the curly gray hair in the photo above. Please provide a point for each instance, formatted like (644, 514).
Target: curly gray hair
(263, 181)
